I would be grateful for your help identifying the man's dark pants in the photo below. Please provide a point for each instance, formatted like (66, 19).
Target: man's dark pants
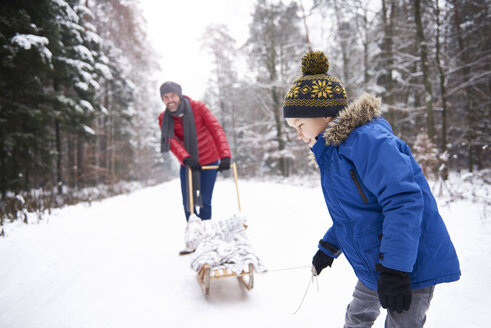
(207, 181)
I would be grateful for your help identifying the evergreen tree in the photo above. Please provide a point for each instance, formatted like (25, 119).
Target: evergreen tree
(66, 96)
(130, 145)
(26, 61)
(75, 81)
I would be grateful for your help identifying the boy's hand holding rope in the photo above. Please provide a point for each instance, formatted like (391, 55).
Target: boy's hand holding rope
(319, 262)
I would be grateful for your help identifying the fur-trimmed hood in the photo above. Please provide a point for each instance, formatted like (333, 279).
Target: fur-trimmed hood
(358, 113)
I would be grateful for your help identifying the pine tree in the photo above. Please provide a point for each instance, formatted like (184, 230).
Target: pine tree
(75, 82)
(63, 85)
(25, 112)
(129, 143)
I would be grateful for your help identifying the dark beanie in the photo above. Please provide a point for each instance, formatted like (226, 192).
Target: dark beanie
(170, 86)
(314, 93)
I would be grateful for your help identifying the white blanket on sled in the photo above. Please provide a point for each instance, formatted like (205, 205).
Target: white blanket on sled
(221, 243)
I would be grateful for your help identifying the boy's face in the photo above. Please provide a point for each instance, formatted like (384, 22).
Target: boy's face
(309, 128)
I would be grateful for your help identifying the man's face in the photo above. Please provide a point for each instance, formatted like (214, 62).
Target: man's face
(171, 101)
(309, 128)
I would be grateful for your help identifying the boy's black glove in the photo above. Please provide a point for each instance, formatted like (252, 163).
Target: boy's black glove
(224, 164)
(394, 289)
(320, 261)
(192, 163)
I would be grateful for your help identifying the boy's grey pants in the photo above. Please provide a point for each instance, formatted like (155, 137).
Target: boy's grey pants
(365, 308)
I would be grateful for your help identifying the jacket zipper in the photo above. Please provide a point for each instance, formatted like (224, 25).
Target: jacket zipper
(358, 186)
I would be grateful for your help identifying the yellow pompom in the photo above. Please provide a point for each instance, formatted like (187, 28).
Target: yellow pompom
(314, 62)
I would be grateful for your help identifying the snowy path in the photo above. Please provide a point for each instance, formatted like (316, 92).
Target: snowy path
(115, 264)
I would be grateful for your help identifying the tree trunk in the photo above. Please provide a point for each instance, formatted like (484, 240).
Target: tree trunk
(365, 47)
(430, 124)
(112, 149)
(106, 128)
(389, 58)
(279, 130)
(59, 175)
(80, 162)
(72, 168)
(304, 17)
(234, 129)
(3, 171)
(343, 30)
(466, 71)
(59, 169)
(443, 93)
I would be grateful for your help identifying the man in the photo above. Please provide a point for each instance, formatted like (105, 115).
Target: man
(194, 136)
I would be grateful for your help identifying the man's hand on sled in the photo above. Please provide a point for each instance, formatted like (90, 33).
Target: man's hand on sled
(224, 164)
(192, 163)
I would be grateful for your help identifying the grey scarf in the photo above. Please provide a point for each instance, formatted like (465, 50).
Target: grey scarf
(190, 141)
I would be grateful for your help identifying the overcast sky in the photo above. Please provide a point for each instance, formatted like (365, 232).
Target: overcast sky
(176, 29)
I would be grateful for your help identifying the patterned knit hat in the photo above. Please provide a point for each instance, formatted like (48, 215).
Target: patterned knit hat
(314, 94)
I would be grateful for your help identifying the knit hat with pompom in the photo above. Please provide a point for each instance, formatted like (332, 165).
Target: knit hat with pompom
(314, 93)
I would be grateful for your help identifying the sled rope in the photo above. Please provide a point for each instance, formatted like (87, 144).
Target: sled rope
(288, 268)
(311, 279)
(277, 270)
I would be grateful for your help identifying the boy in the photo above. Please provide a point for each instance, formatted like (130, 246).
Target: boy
(385, 219)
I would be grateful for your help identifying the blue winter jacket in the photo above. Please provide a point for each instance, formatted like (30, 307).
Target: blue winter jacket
(380, 203)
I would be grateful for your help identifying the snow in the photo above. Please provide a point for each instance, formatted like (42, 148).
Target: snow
(104, 110)
(94, 84)
(89, 130)
(115, 264)
(27, 41)
(69, 13)
(84, 11)
(93, 37)
(72, 104)
(87, 105)
(78, 65)
(82, 86)
(84, 53)
(105, 70)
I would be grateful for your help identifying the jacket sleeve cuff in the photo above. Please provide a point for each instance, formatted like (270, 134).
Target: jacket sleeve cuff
(380, 268)
(329, 249)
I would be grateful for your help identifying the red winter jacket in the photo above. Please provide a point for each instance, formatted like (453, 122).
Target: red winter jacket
(212, 142)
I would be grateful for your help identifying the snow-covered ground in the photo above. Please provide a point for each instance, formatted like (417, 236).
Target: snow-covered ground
(115, 264)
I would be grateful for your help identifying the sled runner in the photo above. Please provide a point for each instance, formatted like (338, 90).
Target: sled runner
(209, 267)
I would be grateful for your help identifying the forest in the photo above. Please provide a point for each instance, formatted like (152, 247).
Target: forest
(78, 103)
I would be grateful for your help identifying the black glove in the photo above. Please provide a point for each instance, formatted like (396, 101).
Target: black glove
(192, 163)
(394, 289)
(224, 164)
(320, 261)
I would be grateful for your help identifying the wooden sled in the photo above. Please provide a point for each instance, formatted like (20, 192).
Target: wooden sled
(208, 272)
